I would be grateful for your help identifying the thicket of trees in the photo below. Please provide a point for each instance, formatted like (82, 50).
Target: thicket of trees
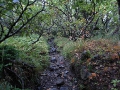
(74, 18)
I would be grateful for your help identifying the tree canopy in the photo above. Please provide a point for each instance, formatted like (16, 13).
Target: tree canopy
(64, 16)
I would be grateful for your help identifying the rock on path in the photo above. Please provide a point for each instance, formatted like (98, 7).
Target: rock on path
(58, 76)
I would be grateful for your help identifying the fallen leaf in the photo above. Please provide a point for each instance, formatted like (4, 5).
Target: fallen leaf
(72, 60)
(93, 75)
(88, 60)
(114, 56)
(105, 69)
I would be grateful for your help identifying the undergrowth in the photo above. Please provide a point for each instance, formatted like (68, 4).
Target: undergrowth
(4, 85)
(69, 47)
(94, 45)
(61, 42)
(35, 54)
(91, 54)
(21, 49)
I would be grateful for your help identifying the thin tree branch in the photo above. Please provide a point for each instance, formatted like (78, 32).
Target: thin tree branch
(11, 28)
(2, 30)
(28, 21)
(40, 34)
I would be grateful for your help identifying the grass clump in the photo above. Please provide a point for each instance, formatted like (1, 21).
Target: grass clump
(61, 41)
(69, 48)
(8, 52)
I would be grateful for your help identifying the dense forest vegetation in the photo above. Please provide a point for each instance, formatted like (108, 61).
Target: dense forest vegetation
(85, 32)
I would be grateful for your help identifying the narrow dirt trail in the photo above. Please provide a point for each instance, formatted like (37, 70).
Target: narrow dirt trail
(58, 76)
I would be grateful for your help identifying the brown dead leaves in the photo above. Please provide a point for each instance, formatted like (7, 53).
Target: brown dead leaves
(115, 56)
(93, 75)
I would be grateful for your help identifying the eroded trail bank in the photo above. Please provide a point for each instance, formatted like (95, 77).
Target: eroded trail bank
(58, 75)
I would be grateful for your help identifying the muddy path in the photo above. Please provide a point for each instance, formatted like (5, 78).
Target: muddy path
(58, 75)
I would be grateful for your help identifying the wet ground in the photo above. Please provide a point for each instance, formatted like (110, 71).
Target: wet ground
(58, 75)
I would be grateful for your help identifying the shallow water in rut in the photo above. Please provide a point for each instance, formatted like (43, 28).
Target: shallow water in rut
(58, 75)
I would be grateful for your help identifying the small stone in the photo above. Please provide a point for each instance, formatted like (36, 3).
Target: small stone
(69, 83)
(53, 59)
(76, 82)
(61, 58)
(39, 88)
(53, 49)
(61, 62)
(66, 72)
(59, 82)
(64, 88)
(97, 56)
(43, 74)
(56, 75)
(52, 89)
(61, 66)
(101, 66)
(96, 67)
(51, 68)
(84, 73)
(65, 75)
(85, 55)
